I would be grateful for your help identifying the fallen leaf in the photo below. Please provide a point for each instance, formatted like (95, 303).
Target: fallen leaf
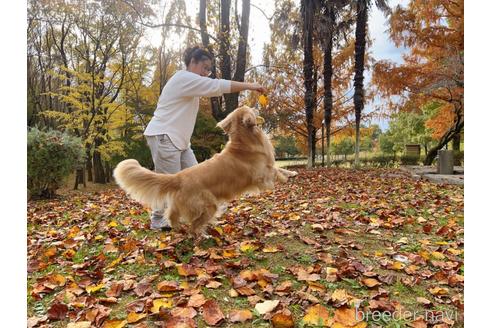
(196, 300)
(267, 306)
(184, 312)
(186, 270)
(371, 282)
(317, 315)
(282, 320)
(114, 324)
(240, 315)
(94, 288)
(423, 300)
(168, 286)
(179, 322)
(57, 311)
(347, 317)
(80, 324)
(157, 303)
(135, 317)
(212, 313)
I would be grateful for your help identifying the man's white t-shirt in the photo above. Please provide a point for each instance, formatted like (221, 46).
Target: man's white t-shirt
(177, 107)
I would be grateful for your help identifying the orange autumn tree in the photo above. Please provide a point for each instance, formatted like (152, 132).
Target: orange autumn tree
(433, 69)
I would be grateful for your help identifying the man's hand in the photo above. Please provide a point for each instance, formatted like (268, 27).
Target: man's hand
(258, 87)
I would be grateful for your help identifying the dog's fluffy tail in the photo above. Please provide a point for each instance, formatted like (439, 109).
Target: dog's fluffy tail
(143, 185)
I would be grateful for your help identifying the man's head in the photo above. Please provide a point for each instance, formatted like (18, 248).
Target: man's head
(198, 61)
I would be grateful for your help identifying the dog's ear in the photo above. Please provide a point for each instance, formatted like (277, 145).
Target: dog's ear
(249, 120)
(226, 123)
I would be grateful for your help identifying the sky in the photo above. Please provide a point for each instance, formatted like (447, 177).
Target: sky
(259, 34)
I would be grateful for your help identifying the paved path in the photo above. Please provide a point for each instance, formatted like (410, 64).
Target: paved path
(430, 173)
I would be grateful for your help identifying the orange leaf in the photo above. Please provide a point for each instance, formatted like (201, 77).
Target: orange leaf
(240, 315)
(282, 320)
(317, 315)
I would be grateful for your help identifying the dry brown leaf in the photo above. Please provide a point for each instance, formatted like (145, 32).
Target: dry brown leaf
(212, 313)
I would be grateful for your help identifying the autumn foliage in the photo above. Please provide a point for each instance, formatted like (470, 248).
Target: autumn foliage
(432, 71)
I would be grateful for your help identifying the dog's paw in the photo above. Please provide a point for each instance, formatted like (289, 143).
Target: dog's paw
(293, 173)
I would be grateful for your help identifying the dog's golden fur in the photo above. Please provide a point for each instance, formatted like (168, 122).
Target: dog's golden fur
(194, 195)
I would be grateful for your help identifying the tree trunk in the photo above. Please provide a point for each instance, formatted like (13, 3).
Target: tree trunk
(232, 99)
(88, 165)
(108, 172)
(307, 9)
(99, 174)
(79, 178)
(456, 142)
(447, 137)
(360, 45)
(214, 101)
(327, 76)
(322, 145)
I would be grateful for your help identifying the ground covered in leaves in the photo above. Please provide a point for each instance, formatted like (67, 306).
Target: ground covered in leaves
(332, 247)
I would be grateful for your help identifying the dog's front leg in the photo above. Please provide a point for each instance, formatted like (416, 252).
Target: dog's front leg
(283, 175)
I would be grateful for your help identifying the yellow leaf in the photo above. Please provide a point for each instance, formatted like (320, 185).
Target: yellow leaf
(270, 249)
(80, 324)
(115, 324)
(126, 221)
(135, 317)
(112, 224)
(425, 255)
(438, 291)
(438, 255)
(228, 253)
(248, 246)
(73, 232)
(455, 251)
(340, 296)
(94, 288)
(397, 266)
(156, 304)
(115, 262)
(99, 237)
(263, 100)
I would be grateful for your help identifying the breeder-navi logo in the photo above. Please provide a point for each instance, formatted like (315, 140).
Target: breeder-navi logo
(430, 316)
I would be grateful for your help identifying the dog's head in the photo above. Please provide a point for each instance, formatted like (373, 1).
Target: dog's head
(241, 118)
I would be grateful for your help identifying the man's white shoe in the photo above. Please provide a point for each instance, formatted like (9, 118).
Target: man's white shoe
(159, 224)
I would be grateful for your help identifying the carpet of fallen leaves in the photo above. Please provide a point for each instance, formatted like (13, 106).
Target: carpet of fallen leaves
(332, 247)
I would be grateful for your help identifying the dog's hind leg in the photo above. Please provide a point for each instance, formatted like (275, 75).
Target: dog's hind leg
(198, 225)
(173, 215)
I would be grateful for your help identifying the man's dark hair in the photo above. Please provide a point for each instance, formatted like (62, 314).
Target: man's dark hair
(196, 53)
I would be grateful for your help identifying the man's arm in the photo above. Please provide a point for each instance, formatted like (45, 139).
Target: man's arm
(240, 86)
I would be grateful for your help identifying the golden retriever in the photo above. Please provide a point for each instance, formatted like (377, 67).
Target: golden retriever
(194, 195)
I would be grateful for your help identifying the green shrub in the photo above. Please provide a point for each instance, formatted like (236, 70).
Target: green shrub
(410, 159)
(51, 156)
